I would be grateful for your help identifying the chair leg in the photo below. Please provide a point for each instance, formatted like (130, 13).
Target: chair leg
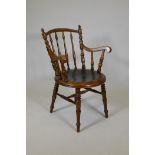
(55, 90)
(103, 91)
(78, 107)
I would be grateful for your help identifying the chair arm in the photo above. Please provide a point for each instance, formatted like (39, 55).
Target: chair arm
(102, 48)
(97, 49)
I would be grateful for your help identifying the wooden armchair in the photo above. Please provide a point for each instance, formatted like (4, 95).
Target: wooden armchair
(77, 77)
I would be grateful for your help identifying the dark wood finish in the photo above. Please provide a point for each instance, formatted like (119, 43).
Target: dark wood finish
(81, 92)
(66, 54)
(93, 90)
(73, 51)
(81, 47)
(100, 62)
(66, 98)
(61, 30)
(55, 90)
(56, 38)
(103, 92)
(83, 78)
(92, 61)
(77, 78)
(52, 55)
(51, 40)
(78, 107)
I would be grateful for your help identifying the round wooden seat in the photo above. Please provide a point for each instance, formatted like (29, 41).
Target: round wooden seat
(82, 79)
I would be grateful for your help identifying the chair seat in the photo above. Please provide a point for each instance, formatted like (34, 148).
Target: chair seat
(82, 79)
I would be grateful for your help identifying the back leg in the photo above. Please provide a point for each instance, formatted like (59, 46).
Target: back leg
(103, 92)
(55, 90)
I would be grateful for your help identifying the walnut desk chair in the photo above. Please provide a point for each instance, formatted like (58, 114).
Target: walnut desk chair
(75, 78)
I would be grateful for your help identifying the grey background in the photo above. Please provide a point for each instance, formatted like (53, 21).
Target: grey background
(103, 22)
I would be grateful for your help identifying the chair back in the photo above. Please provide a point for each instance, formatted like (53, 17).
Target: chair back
(55, 41)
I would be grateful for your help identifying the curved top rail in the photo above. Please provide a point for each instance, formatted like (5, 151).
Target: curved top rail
(61, 30)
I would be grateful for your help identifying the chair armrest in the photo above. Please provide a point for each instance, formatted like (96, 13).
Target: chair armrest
(102, 48)
(97, 49)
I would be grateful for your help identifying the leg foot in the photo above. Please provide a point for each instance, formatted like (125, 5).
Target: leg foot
(103, 91)
(55, 90)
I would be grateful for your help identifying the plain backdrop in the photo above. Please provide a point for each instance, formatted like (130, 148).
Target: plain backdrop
(103, 22)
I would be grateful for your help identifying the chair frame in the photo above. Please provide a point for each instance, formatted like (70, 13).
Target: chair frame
(61, 73)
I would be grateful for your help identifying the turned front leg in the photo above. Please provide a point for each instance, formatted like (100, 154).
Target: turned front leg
(78, 107)
(55, 90)
(103, 91)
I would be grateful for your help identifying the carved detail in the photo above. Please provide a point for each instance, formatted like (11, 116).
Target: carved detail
(64, 72)
(63, 36)
(53, 57)
(51, 40)
(46, 42)
(55, 65)
(81, 48)
(56, 38)
(73, 51)
(103, 91)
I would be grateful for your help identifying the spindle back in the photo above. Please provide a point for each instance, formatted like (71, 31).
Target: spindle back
(60, 54)
(52, 41)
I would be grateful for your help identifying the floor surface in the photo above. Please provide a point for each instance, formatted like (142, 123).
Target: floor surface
(55, 134)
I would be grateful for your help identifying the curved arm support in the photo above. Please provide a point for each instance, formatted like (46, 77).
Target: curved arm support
(97, 49)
